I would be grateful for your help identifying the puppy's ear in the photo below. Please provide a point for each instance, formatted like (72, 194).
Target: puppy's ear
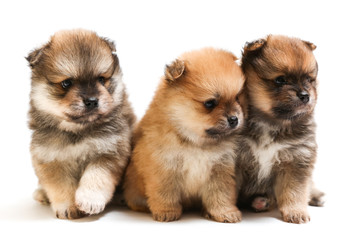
(255, 45)
(310, 45)
(110, 43)
(174, 70)
(34, 56)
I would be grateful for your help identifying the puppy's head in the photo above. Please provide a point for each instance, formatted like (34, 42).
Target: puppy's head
(281, 76)
(76, 78)
(204, 88)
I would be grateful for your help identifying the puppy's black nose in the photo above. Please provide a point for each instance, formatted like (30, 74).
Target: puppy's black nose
(233, 121)
(303, 96)
(91, 102)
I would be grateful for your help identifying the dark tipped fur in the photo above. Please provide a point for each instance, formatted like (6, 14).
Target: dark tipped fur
(79, 153)
(277, 147)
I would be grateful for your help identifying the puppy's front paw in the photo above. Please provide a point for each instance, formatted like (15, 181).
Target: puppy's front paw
(166, 216)
(225, 217)
(65, 211)
(89, 201)
(295, 215)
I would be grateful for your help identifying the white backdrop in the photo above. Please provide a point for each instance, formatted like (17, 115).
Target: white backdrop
(150, 34)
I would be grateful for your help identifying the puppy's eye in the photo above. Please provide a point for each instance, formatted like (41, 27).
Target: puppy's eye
(310, 80)
(280, 80)
(210, 104)
(66, 83)
(101, 80)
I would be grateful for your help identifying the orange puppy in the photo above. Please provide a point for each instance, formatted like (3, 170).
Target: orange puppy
(184, 145)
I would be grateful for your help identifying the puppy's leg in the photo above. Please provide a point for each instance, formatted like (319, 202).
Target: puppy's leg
(219, 196)
(98, 183)
(59, 183)
(292, 196)
(164, 197)
(134, 191)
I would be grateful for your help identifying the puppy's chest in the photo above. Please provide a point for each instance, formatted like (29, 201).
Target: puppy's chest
(196, 165)
(61, 150)
(266, 153)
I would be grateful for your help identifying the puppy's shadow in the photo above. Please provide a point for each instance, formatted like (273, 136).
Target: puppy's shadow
(30, 210)
(251, 216)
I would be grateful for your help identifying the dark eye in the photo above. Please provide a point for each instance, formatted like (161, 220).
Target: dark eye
(101, 80)
(280, 80)
(66, 83)
(310, 80)
(210, 104)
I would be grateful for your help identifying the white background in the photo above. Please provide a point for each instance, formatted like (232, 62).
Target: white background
(150, 34)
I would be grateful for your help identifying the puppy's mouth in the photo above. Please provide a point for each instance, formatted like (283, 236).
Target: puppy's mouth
(85, 118)
(217, 133)
(292, 111)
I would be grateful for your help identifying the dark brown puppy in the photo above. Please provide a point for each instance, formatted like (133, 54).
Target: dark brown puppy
(81, 122)
(277, 148)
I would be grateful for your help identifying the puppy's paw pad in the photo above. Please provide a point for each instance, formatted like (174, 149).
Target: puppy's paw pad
(166, 216)
(40, 196)
(228, 217)
(260, 204)
(90, 202)
(295, 216)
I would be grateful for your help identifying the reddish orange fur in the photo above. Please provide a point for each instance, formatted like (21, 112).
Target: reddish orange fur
(172, 136)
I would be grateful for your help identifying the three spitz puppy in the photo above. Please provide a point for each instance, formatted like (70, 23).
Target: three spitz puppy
(204, 141)
(184, 151)
(81, 122)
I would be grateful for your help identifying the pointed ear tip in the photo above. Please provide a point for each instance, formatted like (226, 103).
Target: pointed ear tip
(311, 45)
(254, 45)
(110, 43)
(247, 44)
(174, 70)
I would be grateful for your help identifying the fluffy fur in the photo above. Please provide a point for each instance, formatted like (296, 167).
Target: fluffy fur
(277, 148)
(184, 151)
(81, 122)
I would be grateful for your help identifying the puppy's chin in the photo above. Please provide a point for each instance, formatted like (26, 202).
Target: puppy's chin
(218, 133)
(82, 119)
(75, 123)
(86, 118)
(80, 115)
(292, 112)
